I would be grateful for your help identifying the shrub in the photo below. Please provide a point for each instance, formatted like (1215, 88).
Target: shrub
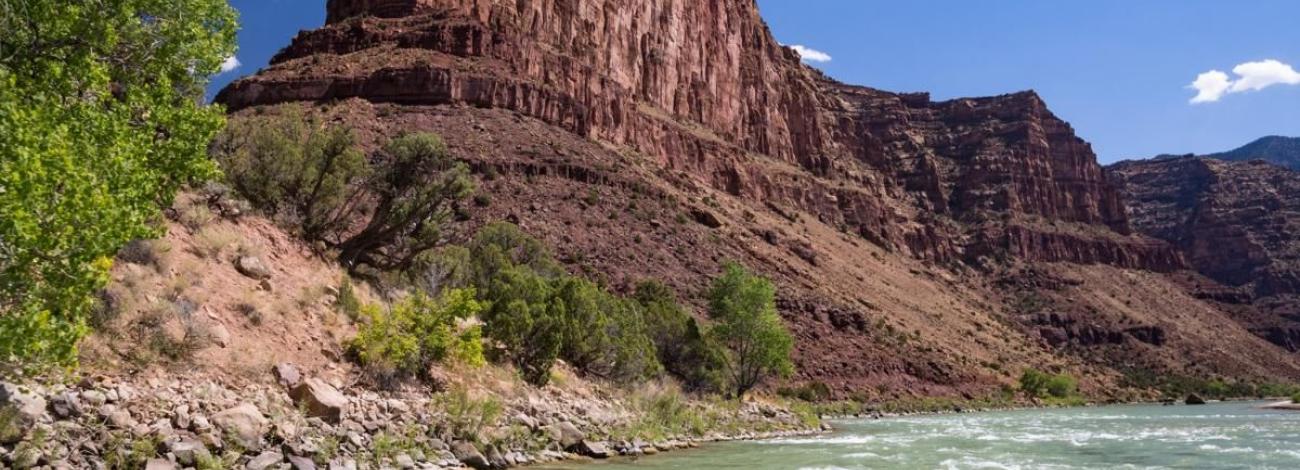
(1033, 382)
(1295, 398)
(467, 417)
(314, 175)
(525, 321)
(418, 332)
(680, 344)
(347, 301)
(416, 188)
(810, 392)
(1061, 385)
(743, 306)
(295, 168)
(101, 126)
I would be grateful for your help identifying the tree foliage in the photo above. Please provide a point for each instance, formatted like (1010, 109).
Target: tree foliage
(418, 332)
(101, 122)
(681, 343)
(538, 313)
(312, 174)
(743, 307)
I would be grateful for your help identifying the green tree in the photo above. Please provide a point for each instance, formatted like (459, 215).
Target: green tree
(415, 187)
(101, 122)
(295, 168)
(525, 319)
(743, 307)
(681, 345)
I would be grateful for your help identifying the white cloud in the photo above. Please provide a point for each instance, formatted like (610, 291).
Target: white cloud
(811, 55)
(1251, 76)
(231, 63)
(1210, 86)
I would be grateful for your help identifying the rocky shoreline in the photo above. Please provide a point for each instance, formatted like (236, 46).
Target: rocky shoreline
(307, 423)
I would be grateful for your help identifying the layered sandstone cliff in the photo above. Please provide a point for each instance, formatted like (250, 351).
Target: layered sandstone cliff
(1237, 222)
(703, 88)
(646, 139)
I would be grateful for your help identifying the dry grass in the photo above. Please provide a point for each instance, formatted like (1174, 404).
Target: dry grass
(212, 241)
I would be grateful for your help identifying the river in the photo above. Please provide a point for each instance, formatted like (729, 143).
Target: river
(1215, 436)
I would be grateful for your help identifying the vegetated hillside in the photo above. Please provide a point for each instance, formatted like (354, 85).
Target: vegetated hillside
(919, 247)
(1237, 222)
(1275, 149)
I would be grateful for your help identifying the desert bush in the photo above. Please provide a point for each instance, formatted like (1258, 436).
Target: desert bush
(313, 175)
(743, 307)
(416, 187)
(1033, 382)
(684, 349)
(466, 417)
(347, 301)
(1061, 385)
(417, 332)
(525, 321)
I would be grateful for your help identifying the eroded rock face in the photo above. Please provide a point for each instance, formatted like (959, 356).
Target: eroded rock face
(702, 88)
(1238, 223)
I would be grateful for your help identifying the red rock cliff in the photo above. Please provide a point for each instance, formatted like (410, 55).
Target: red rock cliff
(703, 88)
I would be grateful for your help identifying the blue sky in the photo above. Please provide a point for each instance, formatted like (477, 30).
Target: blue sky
(1118, 70)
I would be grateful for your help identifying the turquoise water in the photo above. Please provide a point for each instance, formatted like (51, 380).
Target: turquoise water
(1215, 436)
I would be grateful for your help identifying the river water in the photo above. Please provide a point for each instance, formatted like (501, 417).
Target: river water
(1215, 436)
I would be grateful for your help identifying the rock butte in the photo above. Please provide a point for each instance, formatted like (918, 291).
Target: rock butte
(907, 235)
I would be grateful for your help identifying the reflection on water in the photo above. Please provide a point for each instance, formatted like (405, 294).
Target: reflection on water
(1217, 436)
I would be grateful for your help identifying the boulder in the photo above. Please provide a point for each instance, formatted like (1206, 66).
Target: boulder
(243, 423)
(592, 449)
(219, 334)
(567, 434)
(264, 461)
(26, 406)
(1194, 399)
(299, 462)
(469, 455)
(189, 451)
(159, 464)
(320, 400)
(253, 267)
(343, 464)
(287, 374)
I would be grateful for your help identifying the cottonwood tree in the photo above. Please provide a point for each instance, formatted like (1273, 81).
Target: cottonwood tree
(743, 307)
(101, 121)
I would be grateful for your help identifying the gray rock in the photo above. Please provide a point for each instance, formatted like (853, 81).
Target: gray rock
(94, 397)
(116, 417)
(27, 406)
(243, 423)
(189, 451)
(299, 462)
(495, 458)
(343, 464)
(592, 449)
(253, 267)
(320, 399)
(219, 334)
(159, 464)
(287, 374)
(469, 455)
(567, 434)
(525, 421)
(264, 461)
(66, 405)
(404, 461)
